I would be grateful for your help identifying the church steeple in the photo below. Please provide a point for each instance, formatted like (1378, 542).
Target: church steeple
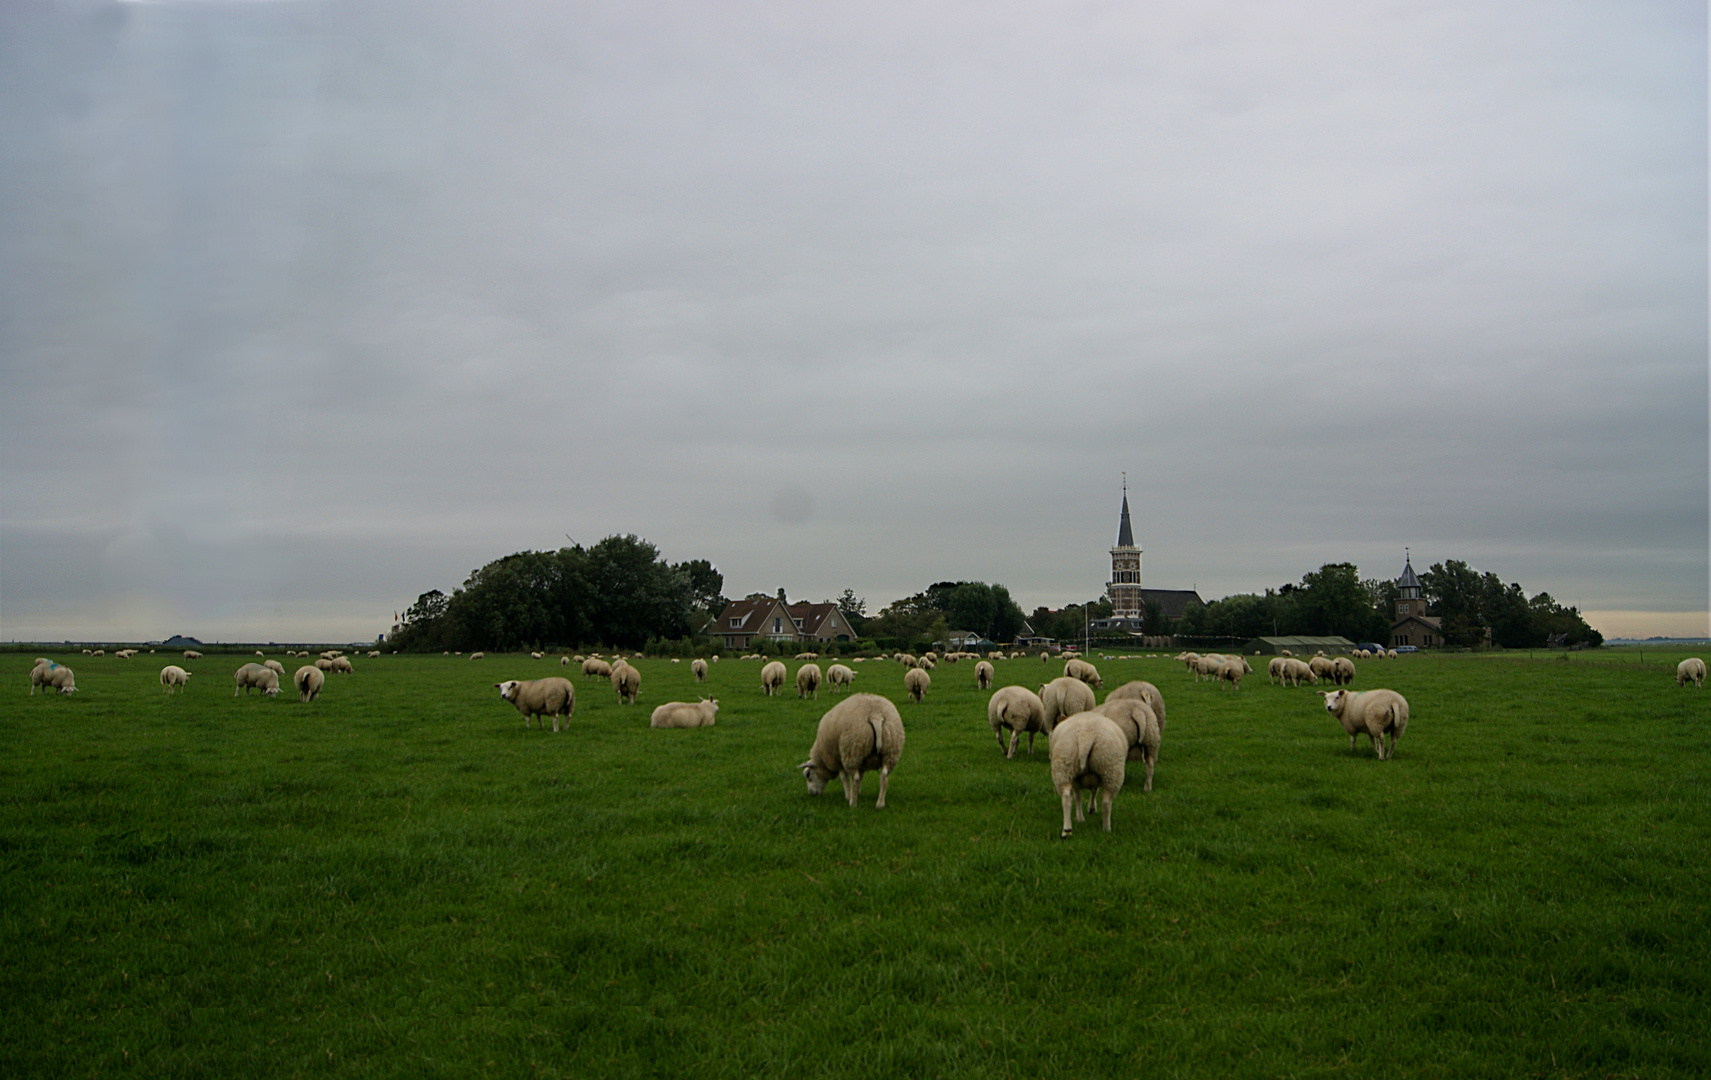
(1124, 588)
(1125, 535)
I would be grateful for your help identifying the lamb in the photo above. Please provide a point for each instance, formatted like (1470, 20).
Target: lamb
(1140, 690)
(1062, 697)
(308, 679)
(1379, 713)
(679, 714)
(275, 666)
(916, 681)
(840, 676)
(983, 673)
(1342, 671)
(596, 668)
(808, 680)
(255, 677)
(173, 676)
(1321, 668)
(772, 677)
(1692, 668)
(1087, 673)
(1019, 709)
(1141, 727)
(1294, 671)
(860, 733)
(698, 668)
(536, 698)
(1088, 751)
(51, 676)
(627, 681)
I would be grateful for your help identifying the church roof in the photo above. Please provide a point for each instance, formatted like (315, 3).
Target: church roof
(1407, 580)
(1125, 535)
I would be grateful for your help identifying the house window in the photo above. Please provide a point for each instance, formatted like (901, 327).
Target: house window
(777, 624)
(798, 623)
(1402, 607)
(736, 621)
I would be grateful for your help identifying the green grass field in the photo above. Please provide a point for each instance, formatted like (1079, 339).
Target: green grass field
(399, 880)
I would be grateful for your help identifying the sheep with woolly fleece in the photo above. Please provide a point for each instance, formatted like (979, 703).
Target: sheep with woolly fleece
(1045, 657)
(192, 654)
(1019, 709)
(596, 668)
(714, 658)
(772, 677)
(275, 666)
(1062, 697)
(808, 679)
(1390, 654)
(983, 675)
(698, 668)
(323, 663)
(1692, 669)
(173, 676)
(1088, 752)
(926, 663)
(255, 677)
(342, 665)
(1230, 672)
(1206, 668)
(1141, 727)
(52, 676)
(308, 679)
(478, 656)
(564, 661)
(1322, 667)
(534, 656)
(554, 696)
(1342, 671)
(861, 733)
(840, 676)
(1379, 713)
(1086, 672)
(1274, 670)
(1295, 672)
(916, 681)
(1140, 690)
(374, 654)
(1191, 661)
(682, 714)
(627, 681)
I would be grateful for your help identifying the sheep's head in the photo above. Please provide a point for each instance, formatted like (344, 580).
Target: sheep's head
(1334, 700)
(816, 782)
(507, 689)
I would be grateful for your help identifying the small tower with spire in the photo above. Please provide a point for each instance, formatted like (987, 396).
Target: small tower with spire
(1124, 588)
(1408, 599)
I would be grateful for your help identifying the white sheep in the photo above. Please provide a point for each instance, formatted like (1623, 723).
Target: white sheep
(1062, 697)
(1692, 668)
(627, 681)
(323, 663)
(478, 656)
(983, 675)
(308, 679)
(1342, 671)
(715, 658)
(1230, 672)
(1274, 670)
(192, 654)
(861, 733)
(680, 714)
(1141, 727)
(1087, 673)
(772, 677)
(916, 681)
(1140, 690)
(808, 679)
(342, 665)
(374, 654)
(534, 656)
(174, 676)
(840, 676)
(1379, 713)
(1295, 672)
(275, 666)
(1019, 709)
(1322, 668)
(536, 698)
(698, 668)
(596, 668)
(255, 677)
(564, 661)
(1088, 751)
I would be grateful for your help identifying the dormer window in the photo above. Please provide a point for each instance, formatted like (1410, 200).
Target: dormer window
(798, 623)
(736, 621)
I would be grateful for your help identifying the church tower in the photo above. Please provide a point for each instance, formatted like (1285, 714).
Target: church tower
(1124, 588)
(1408, 600)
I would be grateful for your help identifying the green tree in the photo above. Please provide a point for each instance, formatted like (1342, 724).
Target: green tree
(854, 610)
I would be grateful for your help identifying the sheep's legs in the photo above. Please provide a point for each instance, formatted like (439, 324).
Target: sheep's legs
(1067, 792)
(1105, 806)
(852, 785)
(884, 778)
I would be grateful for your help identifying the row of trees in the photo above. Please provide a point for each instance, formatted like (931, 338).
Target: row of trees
(973, 606)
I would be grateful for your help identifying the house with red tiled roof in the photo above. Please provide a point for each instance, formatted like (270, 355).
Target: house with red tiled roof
(755, 617)
(821, 622)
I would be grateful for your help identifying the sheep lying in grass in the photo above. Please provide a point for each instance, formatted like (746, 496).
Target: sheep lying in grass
(861, 733)
(772, 677)
(840, 677)
(1087, 673)
(1019, 709)
(627, 681)
(698, 668)
(1088, 751)
(1140, 690)
(172, 676)
(915, 681)
(983, 675)
(536, 698)
(680, 714)
(808, 679)
(255, 677)
(1379, 713)
(1062, 697)
(308, 679)
(1692, 669)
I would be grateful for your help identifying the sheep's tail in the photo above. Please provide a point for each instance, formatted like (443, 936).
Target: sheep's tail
(877, 723)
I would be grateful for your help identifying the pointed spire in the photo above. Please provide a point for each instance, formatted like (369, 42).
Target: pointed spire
(1125, 535)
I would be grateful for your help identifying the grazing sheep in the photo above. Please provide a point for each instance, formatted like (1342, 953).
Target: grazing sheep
(564, 661)
(1191, 660)
(342, 665)
(99, 652)
(1062, 697)
(1019, 709)
(916, 681)
(772, 677)
(275, 666)
(1045, 658)
(698, 668)
(808, 680)
(1379, 713)
(715, 658)
(861, 733)
(627, 681)
(1274, 670)
(536, 698)
(983, 673)
(1230, 672)
(308, 679)
(255, 677)
(258, 652)
(1322, 668)
(324, 663)
(1141, 727)
(1087, 673)
(596, 668)
(374, 654)
(840, 676)
(679, 714)
(51, 676)
(1140, 690)
(1088, 751)
(1390, 654)
(926, 663)
(1342, 671)
(1692, 668)
(534, 656)
(478, 656)
(1295, 672)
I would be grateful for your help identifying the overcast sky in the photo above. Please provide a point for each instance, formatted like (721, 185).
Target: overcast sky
(310, 306)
